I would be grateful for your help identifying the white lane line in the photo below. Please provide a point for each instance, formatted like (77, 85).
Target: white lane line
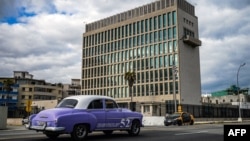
(191, 133)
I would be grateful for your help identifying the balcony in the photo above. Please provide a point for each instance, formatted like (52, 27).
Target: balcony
(191, 41)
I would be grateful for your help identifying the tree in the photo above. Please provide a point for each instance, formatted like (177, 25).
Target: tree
(130, 77)
(7, 87)
(233, 89)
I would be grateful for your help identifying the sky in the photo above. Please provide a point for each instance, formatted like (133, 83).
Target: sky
(44, 38)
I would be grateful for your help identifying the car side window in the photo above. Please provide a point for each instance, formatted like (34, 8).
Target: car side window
(110, 104)
(184, 115)
(96, 104)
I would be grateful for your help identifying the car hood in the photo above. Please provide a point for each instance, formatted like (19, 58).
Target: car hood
(171, 117)
(50, 114)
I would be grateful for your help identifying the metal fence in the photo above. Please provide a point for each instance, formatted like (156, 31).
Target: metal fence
(212, 111)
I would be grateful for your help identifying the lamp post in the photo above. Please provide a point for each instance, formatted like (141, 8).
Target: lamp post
(239, 119)
(174, 73)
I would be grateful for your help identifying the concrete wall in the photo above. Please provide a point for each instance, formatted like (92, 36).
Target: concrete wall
(3, 117)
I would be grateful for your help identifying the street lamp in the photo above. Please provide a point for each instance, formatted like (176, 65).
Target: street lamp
(174, 73)
(239, 119)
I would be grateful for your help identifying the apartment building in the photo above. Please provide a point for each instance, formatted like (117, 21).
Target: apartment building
(34, 90)
(9, 98)
(160, 42)
(72, 89)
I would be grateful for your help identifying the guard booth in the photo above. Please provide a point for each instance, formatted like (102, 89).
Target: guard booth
(153, 109)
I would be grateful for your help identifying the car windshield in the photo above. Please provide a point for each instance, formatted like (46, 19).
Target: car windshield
(174, 115)
(67, 103)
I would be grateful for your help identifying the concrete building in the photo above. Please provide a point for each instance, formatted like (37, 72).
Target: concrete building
(34, 90)
(9, 98)
(160, 42)
(39, 105)
(72, 89)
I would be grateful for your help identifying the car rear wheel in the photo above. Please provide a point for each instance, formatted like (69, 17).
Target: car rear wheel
(135, 128)
(80, 132)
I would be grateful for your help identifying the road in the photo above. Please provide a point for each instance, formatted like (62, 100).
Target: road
(204, 132)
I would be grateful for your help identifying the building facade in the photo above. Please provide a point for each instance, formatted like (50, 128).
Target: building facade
(32, 91)
(9, 98)
(72, 89)
(159, 41)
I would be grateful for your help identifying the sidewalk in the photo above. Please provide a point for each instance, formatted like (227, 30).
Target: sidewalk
(159, 121)
(14, 127)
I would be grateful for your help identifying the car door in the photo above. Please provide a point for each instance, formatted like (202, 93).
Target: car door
(185, 117)
(96, 107)
(114, 115)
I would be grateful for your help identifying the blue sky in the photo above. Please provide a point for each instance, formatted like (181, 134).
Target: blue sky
(44, 37)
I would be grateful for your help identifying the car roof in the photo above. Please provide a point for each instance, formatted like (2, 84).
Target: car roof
(84, 100)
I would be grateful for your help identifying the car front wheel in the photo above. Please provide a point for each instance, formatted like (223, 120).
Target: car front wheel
(135, 128)
(80, 132)
(191, 122)
(179, 122)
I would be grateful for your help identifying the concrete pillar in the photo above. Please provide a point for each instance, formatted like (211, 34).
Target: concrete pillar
(3, 117)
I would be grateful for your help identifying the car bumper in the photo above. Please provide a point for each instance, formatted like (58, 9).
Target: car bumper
(169, 122)
(45, 128)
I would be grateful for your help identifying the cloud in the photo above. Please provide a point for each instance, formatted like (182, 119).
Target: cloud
(44, 37)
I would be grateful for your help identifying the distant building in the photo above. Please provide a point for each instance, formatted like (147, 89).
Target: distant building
(9, 99)
(228, 97)
(160, 42)
(72, 89)
(40, 105)
(34, 90)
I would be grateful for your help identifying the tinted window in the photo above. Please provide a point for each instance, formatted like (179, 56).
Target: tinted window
(96, 104)
(68, 103)
(110, 104)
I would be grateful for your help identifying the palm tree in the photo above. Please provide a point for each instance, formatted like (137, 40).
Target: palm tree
(130, 77)
(7, 87)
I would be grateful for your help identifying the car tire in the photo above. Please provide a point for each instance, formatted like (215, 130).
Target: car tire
(51, 135)
(80, 132)
(179, 123)
(108, 132)
(135, 128)
(191, 122)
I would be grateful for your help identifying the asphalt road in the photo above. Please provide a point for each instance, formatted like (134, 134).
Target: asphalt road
(204, 132)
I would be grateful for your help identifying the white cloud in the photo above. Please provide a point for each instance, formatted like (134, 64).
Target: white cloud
(48, 43)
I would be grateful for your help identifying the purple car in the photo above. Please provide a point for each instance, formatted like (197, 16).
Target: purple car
(83, 114)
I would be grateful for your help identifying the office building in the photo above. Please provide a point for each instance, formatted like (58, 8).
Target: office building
(157, 41)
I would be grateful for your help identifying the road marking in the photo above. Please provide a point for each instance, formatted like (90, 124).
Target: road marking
(191, 133)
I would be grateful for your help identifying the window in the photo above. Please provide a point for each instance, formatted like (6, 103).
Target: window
(146, 109)
(96, 104)
(110, 104)
(69, 103)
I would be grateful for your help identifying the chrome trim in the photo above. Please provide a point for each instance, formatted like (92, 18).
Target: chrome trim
(43, 128)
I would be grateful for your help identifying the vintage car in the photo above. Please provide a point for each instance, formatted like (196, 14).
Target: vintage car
(83, 114)
(179, 118)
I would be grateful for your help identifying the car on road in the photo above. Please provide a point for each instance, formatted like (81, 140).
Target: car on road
(179, 118)
(25, 120)
(83, 114)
